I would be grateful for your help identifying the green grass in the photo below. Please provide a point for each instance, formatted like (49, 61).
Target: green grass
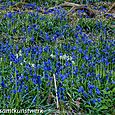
(81, 57)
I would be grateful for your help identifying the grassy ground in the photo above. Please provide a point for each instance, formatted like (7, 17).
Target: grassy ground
(56, 63)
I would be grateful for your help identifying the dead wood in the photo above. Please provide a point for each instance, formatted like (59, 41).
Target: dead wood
(69, 4)
(112, 9)
(73, 8)
(91, 13)
(87, 10)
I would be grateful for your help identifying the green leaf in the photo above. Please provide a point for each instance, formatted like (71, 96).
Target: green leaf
(103, 107)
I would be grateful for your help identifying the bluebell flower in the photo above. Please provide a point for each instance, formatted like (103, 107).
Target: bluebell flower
(99, 99)
(62, 93)
(32, 39)
(88, 74)
(9, 14)
(63, 77)
(29, 29)
(3, 7)
(32, 6)
(13, 91)
(97, 91)
(20, 77)
(26, 88)
(12, 57)
(75, 70)
(39, 80)
(113, 82)
(91, 86)
(93, 101)
(85, 95)
(81, 89)
(90, 91)
(8, 97)
(86, 57)
(14, 30)
(47, 37)
(47, 76)
(107, 89)
(19, 89)
(77, 37)
(40, 50)
(78, 28)
(23, 29)
(107, 77)
(80, 50)
(38, 9)
(3, 84)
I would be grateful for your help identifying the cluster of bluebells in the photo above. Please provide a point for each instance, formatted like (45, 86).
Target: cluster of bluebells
(27, 69)
(35, 65)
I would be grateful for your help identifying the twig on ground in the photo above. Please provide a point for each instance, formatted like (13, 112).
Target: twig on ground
(57, 101)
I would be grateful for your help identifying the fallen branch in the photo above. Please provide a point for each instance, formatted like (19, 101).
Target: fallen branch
(74, 7)
(57, 101)
(91, 13)
(69, 4)
(112, 9)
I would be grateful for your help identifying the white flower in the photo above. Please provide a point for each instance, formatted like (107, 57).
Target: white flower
(24, 61)
(73, 62)
(16, 55)
(10, 62)
(64, 57)
(61, 57)
(33, 65)
(52, 56)
(20, 53)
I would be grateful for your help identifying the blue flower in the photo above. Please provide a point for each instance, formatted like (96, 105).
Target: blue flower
(8, 97)
(97, 91)
(32, 39)
(13, 91)
(12, 57)
(80, 50)
(76, 70)
(29, 29)
(85, 95)
(9, 14)
(39, 80)
(38, 8)
(99, 99)
(63, 77)
(47, 37)
(26, 88)
(113, 82)
(74, 48)
(93, 101)
(91, 86)
(107, 89)
(3, 84)
(81, 89)
(14, 30)
(88, 74)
